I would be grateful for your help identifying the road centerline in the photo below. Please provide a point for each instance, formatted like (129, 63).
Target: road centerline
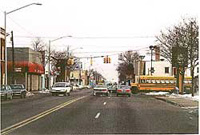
(38, 116)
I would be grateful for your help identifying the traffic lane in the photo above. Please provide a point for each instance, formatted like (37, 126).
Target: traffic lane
(105, 115)
(19, 110)
(78, 117)
(142, 114)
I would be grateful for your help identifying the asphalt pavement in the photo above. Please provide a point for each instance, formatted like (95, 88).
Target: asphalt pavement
(82, 113)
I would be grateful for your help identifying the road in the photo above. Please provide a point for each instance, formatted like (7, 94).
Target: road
(82, 113)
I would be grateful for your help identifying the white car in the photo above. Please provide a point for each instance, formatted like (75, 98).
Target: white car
(61, 88)
(100, 90)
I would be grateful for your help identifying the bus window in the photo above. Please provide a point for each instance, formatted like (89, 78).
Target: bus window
(186, 81)
(142, 80)
(153, 81)
(172, 81)
(158, 81)
(148, 81)
(162, 81)
(166, 81)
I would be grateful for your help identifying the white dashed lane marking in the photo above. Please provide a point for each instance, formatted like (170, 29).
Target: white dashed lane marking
(97, 116)
(104, 103)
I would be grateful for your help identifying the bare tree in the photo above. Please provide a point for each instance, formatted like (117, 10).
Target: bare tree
(64, 63)
(183, 35)
(38, 45)
(126, 65)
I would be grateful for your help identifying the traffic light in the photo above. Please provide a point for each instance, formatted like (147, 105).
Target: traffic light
(70, 61)
(107, 59)
(91, 62)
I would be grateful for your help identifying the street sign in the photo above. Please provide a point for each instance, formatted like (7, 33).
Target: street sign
(179, 56)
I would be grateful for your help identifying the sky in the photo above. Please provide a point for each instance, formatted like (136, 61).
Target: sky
(100, 27)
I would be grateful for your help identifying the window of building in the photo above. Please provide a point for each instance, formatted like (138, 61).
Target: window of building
(166, 70)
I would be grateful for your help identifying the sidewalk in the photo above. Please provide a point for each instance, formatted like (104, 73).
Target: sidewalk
(178, 101)
(182, 100)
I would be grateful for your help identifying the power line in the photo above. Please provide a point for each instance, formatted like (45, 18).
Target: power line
(30, 33)
(103, 37)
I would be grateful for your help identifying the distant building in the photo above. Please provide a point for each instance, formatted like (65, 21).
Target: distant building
(79, 77)
(28, 68)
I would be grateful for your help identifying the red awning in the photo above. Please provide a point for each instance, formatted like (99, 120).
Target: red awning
(25, 66)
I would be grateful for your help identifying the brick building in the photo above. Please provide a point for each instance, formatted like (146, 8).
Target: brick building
(2, 56)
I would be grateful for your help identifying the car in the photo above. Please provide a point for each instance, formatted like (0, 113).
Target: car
(18, 90)
(100, 90)
(61, 88)
(6, 92)
(112, 88)
(124, 90)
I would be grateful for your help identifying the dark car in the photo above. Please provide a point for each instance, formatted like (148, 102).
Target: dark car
(124, 90)
(6, 92)
(18, 90)
(112, 88)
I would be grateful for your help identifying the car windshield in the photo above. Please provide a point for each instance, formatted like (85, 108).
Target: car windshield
(59, 85)
(124, 87)
(16, 86)
(100, 86)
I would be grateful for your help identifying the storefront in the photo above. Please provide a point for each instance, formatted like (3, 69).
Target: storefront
(27, 73)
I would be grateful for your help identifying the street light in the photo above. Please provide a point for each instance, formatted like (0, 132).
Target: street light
(141, 57)
(151, 48)
(69, 54)
(49, 72)
(5, 34)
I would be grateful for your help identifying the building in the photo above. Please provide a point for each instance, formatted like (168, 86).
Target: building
(160, 68)
(2, 56)
(27, 68)
(79, 77)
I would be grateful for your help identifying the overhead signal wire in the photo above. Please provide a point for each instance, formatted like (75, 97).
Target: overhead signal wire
(99, 56)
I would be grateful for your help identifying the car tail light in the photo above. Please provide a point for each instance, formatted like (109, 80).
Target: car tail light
(104, 90)
(128, 90)
(119, 90)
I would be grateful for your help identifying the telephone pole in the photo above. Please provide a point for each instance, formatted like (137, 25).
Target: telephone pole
(13, 58)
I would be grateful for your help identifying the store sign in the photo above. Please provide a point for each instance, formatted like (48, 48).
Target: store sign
(18, 69)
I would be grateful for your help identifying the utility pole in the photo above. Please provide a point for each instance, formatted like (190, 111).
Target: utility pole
(49, 72)
(191, 58)
(13, 58)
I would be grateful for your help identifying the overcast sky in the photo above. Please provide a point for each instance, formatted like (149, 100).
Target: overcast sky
(101, 27)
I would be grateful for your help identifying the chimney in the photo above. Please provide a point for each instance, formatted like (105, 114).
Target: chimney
(157, 53)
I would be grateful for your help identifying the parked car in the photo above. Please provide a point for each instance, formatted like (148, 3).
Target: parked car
(6, 92)
(124, 90)
(100, 90)
(61, 88)
(18, 90)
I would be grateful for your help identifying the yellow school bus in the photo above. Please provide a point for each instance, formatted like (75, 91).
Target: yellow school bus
(157, 83)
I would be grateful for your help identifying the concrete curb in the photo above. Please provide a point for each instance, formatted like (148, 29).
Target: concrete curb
(168, 101)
